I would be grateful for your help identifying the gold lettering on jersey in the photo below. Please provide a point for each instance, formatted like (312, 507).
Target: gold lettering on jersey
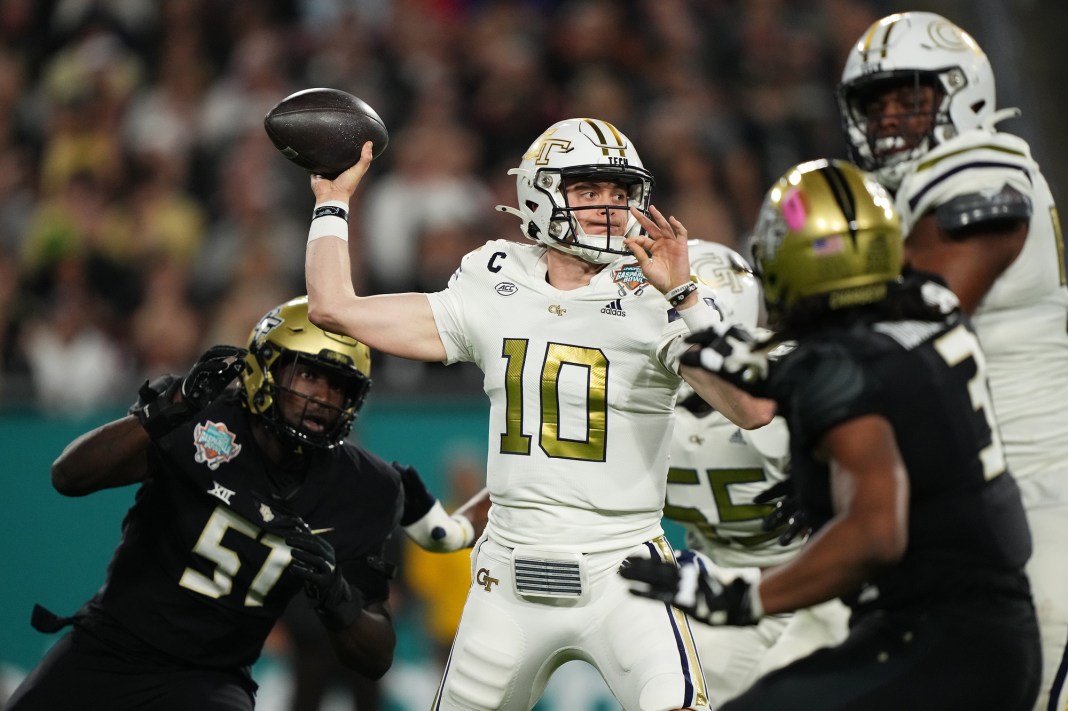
(483, 578)
(557, 310)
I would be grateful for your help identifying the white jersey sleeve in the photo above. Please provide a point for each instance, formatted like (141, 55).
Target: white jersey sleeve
(582, 387)
(1021, 322)
(716, 470)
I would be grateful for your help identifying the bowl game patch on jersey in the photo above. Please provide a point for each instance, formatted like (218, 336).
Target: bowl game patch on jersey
(215, 444)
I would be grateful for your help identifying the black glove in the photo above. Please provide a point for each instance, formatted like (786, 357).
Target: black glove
(417, 498)
(787, 517)
(732, 353)
(337, 602)
(156, 407)
(151, 390)
(698, 587)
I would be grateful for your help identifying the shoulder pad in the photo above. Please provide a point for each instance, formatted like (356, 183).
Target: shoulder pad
(1007, 204)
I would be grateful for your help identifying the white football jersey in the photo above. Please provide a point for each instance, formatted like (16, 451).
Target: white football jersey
(716, 470)
(1023, 320)
(582, 387)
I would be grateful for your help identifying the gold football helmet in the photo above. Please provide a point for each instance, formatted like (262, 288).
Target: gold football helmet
(826, 229)
(285, 335)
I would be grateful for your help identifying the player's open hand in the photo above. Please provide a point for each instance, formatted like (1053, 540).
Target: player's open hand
(662, 252)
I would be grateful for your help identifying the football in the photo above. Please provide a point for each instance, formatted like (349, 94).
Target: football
(322, 130)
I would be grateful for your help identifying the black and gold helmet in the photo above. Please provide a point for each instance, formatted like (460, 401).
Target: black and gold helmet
(285, 335)
(826, 229)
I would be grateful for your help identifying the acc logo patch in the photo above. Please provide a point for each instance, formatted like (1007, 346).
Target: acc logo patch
(631, 277)
(215, 444)
(506, 288)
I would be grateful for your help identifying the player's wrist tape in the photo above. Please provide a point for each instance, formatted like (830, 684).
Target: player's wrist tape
(677, 295)
(699, 317)
(756, 605)
(438, 531)
(330, 219)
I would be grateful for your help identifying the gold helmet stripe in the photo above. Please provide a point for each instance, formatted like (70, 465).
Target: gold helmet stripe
(602, 140)
(889, 23)
(843, 196)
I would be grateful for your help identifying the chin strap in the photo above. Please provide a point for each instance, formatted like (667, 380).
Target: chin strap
(510, 210)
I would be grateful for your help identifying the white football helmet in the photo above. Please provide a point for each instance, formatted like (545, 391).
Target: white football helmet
(737, 288)
(578, 148)
(913, 49)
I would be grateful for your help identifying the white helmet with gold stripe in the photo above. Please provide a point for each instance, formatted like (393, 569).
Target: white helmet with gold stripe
(578, 149)
(912, 50)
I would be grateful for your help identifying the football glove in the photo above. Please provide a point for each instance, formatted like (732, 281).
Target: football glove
(787, 517)
(417, 497)
(337, 603)
(157, 406)
(700, 588)
(731, 352)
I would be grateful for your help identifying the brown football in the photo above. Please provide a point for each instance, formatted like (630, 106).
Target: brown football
(322, 130)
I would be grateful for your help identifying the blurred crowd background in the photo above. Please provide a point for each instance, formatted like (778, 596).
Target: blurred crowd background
(144, 214)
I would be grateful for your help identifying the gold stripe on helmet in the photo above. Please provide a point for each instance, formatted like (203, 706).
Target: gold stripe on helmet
(888, 23)
(602, 140)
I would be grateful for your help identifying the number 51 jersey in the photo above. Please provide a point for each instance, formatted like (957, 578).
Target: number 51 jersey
(581, 384)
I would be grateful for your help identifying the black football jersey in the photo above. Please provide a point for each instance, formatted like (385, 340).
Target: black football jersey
(967, 530)
(200, 574)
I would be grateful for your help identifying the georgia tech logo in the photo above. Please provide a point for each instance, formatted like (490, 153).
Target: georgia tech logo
(557, 310)
(483, 578)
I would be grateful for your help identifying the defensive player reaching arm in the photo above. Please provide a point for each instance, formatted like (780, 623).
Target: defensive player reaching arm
(927, 545)
(247, 497)
(719, 479)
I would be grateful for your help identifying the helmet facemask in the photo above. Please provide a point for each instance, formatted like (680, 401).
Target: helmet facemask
(284, 346)
(303, 419)
(565, 226)
(920, 124)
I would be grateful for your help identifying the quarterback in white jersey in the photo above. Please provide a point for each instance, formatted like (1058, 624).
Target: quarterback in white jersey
(579, 337)
(716, 471)
(918, 104)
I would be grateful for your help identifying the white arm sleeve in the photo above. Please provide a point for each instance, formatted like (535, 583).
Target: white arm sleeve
(439, 532)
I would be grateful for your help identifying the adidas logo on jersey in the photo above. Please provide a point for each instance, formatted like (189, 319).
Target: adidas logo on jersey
(614, 308)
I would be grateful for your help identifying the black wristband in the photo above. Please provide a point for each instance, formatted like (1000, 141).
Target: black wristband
(677, 295)
(330, 211)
